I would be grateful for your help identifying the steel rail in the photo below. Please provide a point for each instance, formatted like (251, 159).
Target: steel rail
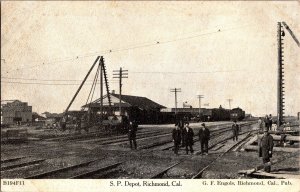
(48, 173)
(5, 168)
(96, 171)
(199, 174)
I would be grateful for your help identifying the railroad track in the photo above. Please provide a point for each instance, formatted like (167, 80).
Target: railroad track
(56, 147)
(19, 162)
(214, 133)
(88, 169)
(199, 173)
(98, 172)
(81, 170)
(88, 135)
(12, 159)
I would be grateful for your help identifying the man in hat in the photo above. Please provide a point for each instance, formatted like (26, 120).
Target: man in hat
(132, 129)
(176, 135)
(260, 124)
(188, 135)
(266, 149)
(204, 136)
(270, 123)
(235, 130)
(181, 126)
(266, 121)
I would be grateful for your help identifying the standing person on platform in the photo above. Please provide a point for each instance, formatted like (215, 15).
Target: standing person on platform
(188, 135)
(181, 126)
(260, 124)
(204, 136)
(176, 135)
(270, 122)
(266, 149)
(132, 129)
(266, 121)
(235, 131)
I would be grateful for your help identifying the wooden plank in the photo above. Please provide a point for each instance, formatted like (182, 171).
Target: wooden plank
(281, 149)
(288, 138)
(275, 176)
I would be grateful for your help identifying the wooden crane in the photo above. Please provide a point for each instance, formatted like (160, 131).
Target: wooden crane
(101, 70)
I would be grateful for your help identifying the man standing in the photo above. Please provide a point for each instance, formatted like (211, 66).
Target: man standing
(266, 121)
(132, 129)
(188, 135)
(176, 134)
(181, 126)
(235, 130)
(270, 122)
(204, 136)
(260, 125)
(266, 149)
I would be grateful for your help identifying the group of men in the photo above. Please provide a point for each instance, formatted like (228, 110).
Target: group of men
(267, 122)
(184, 137)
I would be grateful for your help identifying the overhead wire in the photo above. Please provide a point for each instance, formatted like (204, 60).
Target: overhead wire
(129, 48)
(37, 83)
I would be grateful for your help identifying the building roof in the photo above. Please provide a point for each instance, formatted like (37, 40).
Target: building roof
(129, 100)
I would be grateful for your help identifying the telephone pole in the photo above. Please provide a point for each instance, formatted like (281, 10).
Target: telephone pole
(200, 97)
(120, 74)
(176, 90)
(229, 101)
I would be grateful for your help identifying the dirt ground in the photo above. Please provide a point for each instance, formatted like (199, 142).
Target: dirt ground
(142, 163)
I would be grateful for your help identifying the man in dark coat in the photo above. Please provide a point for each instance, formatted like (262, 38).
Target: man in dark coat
(266, 121)
(266, 149)
(132, 129)
(270, 122)
(204, 136)
(235, 131)
(188, 135)
(181, 126)
(176, 135)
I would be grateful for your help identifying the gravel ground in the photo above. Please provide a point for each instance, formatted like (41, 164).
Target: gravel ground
(137, 163)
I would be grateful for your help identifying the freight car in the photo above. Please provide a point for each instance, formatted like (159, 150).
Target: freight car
(220, 114)
(237, 114)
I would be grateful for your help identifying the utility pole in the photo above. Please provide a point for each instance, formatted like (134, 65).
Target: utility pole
(120, 74)
(229, 100)
(200, 97)
(176, 90)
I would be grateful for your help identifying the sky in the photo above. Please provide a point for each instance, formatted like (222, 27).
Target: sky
(218, 49)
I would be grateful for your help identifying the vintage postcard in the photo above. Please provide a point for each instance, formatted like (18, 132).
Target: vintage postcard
(150, 96)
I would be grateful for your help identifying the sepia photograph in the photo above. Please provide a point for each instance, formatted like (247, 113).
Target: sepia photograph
(150, 93)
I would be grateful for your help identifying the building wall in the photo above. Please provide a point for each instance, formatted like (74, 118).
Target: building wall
(16, 111)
